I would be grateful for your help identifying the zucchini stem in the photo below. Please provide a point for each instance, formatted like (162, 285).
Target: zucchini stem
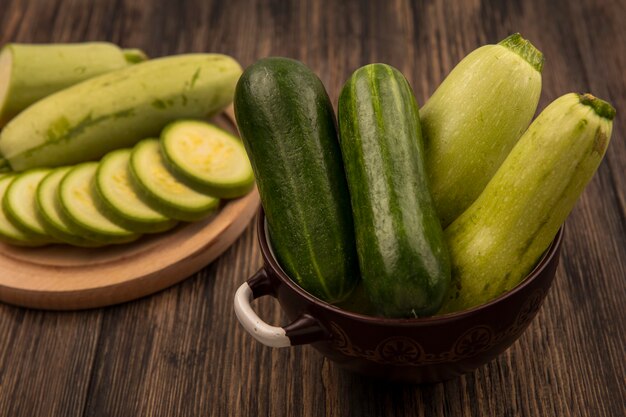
(4, 165)
(601, 107)
(525, 49)
(134, 56)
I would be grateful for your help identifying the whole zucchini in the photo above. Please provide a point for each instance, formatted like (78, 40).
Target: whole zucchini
(500, 237)
(474, 118)
(117, 109)
(287, 124)
(402, 254)
(31, 72)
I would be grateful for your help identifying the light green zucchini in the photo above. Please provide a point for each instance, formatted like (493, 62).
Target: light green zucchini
(8, 232)
(207, 158)
(79, 210)
(161, 190)
(117, 197)
(30, 72)
(20, 207)
(49, 210)
(474, 118)
(117, 109)
(497, 241)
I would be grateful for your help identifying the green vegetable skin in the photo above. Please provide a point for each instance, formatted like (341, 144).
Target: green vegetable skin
(79, 212)
(207, 158)
(161, 190)
(29, 73)
(117, 109)
(475, 117)
(20, 207)
(498, 239)
(402, 254)
(49, 210)
(118, 199)
(287, 125)
(8, 232)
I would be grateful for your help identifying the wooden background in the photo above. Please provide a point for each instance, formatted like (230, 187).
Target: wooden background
(182, 352)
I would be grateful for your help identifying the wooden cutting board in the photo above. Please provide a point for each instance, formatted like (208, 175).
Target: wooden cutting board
(62, 277)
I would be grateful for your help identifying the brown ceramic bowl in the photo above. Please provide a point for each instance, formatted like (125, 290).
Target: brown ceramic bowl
(413, 350)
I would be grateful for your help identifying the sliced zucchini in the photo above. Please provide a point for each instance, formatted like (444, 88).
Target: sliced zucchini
(207, 158)
(79, 211)
(118, 199)
(20, 207)
(8, 232)
(160, 189)
(49, 210)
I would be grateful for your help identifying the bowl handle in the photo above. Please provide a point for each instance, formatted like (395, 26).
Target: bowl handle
(304, 329)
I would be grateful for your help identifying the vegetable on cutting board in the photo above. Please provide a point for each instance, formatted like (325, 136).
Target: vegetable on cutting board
(161, 190)
(49, 210)
(118, 198)
(500, 237)
(20, 207)
(403, 257)
(30, 72)
(475, 117)
(79, 210)
(117, 109)
(207, 158)
(287, 125)
(8, 232)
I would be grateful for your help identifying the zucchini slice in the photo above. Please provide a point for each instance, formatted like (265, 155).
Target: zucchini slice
(49, 210)
(20, 207)
(160, 189)
(118, 199)
(79, 210)
(207, 158)
(8, 232)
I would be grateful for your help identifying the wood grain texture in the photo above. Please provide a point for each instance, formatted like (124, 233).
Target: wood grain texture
(182, 353)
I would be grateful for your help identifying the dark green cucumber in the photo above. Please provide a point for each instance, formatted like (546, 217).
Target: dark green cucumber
(402, 253)
(287, 124)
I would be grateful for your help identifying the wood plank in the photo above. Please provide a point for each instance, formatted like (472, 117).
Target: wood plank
(181, 352)
(46, 361)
